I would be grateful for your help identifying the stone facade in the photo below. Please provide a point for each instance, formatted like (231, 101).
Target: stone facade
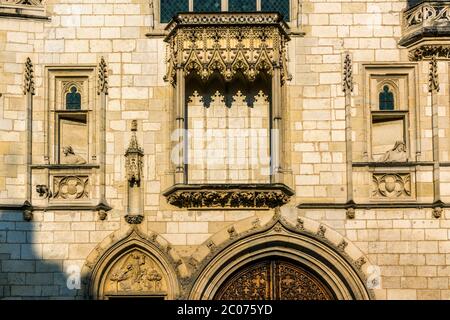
(368, 202)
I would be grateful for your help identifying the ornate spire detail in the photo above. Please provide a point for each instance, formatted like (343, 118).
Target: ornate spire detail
(28, 77)
(348, 75)
(433, 77)
(134, 156)
(102, 77)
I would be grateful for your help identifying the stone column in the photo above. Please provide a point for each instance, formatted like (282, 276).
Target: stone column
(180, 96)
(102, 91)
(29, 92)
(276, 134)
(348, 89)
(433, 89)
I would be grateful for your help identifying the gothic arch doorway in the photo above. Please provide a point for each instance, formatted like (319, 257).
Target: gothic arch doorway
(274, 279)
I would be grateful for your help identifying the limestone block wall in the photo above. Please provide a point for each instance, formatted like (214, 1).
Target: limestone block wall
(411, 247)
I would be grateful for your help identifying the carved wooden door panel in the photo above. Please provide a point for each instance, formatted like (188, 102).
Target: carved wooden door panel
(273, 280)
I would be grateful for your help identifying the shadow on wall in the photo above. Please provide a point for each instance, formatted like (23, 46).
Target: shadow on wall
(33, 265)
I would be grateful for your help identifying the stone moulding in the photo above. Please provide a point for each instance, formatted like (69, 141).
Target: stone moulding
(426, 21)
(229, 196)
(228, 43)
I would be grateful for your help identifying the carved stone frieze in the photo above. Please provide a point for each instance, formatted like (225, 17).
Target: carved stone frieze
(426, 52)
(228, 199)
(70, 187)
(391, 185)
(37, 3)
(227, 43)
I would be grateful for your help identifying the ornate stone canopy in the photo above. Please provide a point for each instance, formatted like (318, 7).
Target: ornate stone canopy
(227, 43)
(426, 28)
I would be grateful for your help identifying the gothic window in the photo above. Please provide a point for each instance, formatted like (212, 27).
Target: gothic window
(207, 5)
(73, 99)
(170, 8)
(241, 5)
(386, 99)
(281, 6)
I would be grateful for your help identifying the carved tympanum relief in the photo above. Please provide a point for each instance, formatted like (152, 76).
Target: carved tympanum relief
(71, 187)
(135, 272)
(273, 280)
(391, 185)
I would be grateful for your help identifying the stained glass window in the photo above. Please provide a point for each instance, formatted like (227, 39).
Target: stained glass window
(386, 99)
(73, 99)
(281, 6)
(170, 8)
(241, 5)
(207, 5)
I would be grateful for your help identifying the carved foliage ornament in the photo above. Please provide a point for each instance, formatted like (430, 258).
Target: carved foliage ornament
(28, 77)
(71, 187)
(391, 185)
(223, 199)
(430, 51)
(348, 75)
(433, 77)
(227, 49)
(102, 77)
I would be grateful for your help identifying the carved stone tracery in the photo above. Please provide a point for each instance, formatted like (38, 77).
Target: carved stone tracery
(227, 43)
(71, 187)
(391, 185)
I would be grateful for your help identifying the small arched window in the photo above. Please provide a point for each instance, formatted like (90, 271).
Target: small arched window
(73, 99)
(386, 99)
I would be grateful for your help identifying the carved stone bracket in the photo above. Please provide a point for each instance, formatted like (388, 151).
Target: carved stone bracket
(134, 219)
(227, 42)
(228, 196)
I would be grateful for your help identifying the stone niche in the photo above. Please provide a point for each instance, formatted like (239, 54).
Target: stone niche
(135, 273)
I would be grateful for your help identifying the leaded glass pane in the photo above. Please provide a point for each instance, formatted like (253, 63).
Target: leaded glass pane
(170, 8)
(281, 6)
(386, 99)
(241, 5)
(207, 5)
(73, 99)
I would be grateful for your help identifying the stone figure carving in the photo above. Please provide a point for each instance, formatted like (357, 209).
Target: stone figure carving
(137, 273)
(71, 158)
(396, 154)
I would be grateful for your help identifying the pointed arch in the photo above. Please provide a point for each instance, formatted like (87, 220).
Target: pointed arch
(133, 264)
(339, 265)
